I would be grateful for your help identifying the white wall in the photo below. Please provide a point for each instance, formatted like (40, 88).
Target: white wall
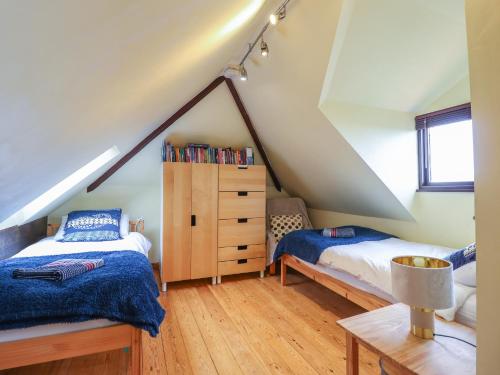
(483, 27)
(136, 187)
(386, 140)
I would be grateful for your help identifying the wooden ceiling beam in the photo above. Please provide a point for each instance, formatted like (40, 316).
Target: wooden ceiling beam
(177, 115)
(253, 133)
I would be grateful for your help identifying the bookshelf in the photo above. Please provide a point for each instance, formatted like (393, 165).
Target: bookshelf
(204, 153)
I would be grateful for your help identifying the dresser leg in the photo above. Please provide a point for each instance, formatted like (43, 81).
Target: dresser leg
(164, 287)
(219, 279)
(261, 274)
(214, 280)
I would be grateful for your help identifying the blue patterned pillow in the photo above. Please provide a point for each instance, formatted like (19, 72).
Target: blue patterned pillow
(463, 256)
(93, 225)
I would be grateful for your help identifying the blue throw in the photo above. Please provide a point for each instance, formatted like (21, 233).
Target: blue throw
(123, 290)
(309, 244)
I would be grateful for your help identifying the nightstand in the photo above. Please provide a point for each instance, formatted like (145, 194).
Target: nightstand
(386, 332)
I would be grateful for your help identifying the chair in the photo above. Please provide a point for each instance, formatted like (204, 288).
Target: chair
(283, 206)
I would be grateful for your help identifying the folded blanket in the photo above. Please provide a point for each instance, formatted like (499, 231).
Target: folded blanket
(59, 270)
(124, 290)
(309, 244)
(340, 232)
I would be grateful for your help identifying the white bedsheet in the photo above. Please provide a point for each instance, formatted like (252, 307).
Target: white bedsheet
(467, 314)
(369, 261)
(48, 246)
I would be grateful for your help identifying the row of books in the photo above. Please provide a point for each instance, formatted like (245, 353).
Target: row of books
(203, 153)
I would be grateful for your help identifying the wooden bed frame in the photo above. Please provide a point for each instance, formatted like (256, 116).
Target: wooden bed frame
(361, 298)
(35, 350)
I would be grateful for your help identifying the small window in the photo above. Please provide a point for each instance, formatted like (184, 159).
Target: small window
(445, 150)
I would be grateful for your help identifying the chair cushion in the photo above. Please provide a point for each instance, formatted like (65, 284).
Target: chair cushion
(284, 224)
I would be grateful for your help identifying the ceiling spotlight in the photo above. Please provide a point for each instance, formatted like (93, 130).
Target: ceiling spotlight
(273, 19)
(282, 13)
(243, 73)
(264, 49)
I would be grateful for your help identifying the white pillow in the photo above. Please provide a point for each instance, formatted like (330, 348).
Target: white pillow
(60, 232)
(466, 275)
(124, 225)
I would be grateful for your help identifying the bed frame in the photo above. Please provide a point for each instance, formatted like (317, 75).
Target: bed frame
(361, 298)
(31, 351)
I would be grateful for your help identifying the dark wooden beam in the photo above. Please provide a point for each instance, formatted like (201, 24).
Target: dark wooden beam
(251, 129)
(160, 129)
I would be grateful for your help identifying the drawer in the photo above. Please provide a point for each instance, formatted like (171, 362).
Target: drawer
(242, 252)
(232, 267)
(234, 232)
(242, 204)
(242, 178)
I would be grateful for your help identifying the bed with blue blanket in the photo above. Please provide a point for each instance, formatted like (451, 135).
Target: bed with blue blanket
(103, 309)
(358, 267)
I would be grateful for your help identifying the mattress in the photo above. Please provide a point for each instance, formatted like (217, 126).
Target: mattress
(467, 314)
(10, 335)
(134, 241)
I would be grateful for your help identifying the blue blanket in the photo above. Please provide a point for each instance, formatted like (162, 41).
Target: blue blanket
(123, 290)
(309, 244)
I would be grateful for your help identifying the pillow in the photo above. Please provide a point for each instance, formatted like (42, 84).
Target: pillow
(124, 226)
(466, 275)
(60, 232)
(463, 256)
(284, 224)
(93, 225)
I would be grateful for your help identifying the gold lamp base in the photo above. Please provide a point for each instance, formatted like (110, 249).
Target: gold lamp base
(422, 322)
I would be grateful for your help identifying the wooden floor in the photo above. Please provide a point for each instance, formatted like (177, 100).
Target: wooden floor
(246, 325)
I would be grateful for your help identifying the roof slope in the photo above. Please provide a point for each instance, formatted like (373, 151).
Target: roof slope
(80, 77)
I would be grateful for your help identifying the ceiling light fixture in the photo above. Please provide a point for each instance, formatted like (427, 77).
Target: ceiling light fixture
(273, 19)
(279, 14)
(243, 73)
(264, 49)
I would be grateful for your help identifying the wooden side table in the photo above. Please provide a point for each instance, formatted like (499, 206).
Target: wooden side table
(386, 332)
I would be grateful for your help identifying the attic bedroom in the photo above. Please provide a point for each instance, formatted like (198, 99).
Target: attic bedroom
(249, 187)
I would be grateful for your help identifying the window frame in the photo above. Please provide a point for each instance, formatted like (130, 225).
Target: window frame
(425, 121)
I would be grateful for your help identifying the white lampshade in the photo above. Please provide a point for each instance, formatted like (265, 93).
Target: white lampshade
(423, 282)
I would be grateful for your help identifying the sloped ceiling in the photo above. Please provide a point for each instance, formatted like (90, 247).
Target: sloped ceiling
(77, 78)
(398, 54)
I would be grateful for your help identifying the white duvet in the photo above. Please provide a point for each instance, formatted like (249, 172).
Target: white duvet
(48, 246)
(370, 261)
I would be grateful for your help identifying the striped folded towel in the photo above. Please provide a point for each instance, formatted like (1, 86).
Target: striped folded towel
(59, 270)
(338, 232)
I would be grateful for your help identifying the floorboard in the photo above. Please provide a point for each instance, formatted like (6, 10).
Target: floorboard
(246, 325)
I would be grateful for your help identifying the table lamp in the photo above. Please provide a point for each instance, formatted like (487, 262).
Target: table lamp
(425, 284)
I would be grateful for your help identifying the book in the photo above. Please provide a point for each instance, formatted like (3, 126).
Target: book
(204, 153)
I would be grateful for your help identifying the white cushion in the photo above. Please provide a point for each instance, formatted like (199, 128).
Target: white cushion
(466, 275)
(60, 232)
(124, 225)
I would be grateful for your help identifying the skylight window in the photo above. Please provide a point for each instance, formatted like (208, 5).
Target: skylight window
(446, 155)
(50, 196)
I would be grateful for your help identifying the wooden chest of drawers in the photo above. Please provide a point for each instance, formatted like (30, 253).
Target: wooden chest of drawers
(242, 223)
(213, 221)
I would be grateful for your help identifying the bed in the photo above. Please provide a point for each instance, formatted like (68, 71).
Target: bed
(39, 343)
(360, 272)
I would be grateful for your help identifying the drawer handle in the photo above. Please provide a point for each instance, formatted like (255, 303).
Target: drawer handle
(242, 261)
(242, 247)
(242, 193)
(193, 220)
(243, 166)
(242, 221)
